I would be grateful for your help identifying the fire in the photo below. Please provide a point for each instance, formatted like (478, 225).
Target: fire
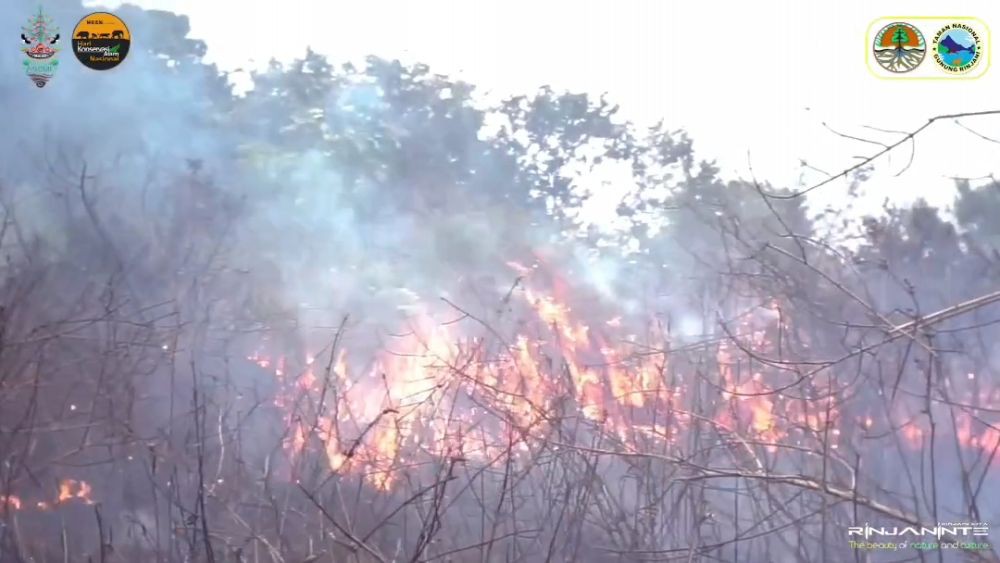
(70, 489)
(375, 420)
(975, 434)
(636, 387)
(328, 436)
(438, 392)
(913, 434)
(975, 425)
(11, 502)
(750, 400)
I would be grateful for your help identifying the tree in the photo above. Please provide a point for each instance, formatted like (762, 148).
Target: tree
(900, 36)
(40, 27)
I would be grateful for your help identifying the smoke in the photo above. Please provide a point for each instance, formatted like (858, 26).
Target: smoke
(333, 240)
(205, 252)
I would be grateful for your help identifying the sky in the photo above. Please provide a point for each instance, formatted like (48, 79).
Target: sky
(751, 82)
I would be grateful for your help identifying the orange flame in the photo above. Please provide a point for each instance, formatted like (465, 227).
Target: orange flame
(70, 489)
(431, 393)
(12, 502)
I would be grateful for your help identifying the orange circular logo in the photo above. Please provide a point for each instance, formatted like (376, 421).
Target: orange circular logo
(101, 41)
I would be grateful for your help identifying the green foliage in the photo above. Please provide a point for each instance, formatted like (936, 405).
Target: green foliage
(900, 36)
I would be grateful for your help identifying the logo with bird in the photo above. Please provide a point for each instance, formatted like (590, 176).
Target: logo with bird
(38, 43)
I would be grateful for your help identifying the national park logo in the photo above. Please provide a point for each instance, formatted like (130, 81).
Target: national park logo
(38, 40)
(899, 47)
(101, 41)
(957, 48)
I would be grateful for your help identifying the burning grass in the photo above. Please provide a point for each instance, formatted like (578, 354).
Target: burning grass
(520, 413)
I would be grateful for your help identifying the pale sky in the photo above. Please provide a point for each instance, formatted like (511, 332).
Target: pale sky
(736, 75)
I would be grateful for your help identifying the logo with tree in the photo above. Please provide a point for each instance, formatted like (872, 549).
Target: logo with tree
(39, 38)
(899, 47)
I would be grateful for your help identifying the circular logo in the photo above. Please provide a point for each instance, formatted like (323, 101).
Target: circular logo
(899, 47)
(957, 48)
(101, 41)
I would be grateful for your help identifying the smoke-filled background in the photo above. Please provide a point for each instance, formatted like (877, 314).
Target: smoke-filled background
(361, 312)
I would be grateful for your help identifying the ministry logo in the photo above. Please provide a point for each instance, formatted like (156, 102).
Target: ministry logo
(899, 47)
(957, 48)
(39, 38)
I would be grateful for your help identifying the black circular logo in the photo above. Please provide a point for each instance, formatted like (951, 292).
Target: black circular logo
(101, 41)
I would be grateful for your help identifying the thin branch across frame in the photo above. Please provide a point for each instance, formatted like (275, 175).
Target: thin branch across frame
(887, 149)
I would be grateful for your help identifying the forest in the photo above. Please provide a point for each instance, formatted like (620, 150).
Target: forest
(357, 314)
